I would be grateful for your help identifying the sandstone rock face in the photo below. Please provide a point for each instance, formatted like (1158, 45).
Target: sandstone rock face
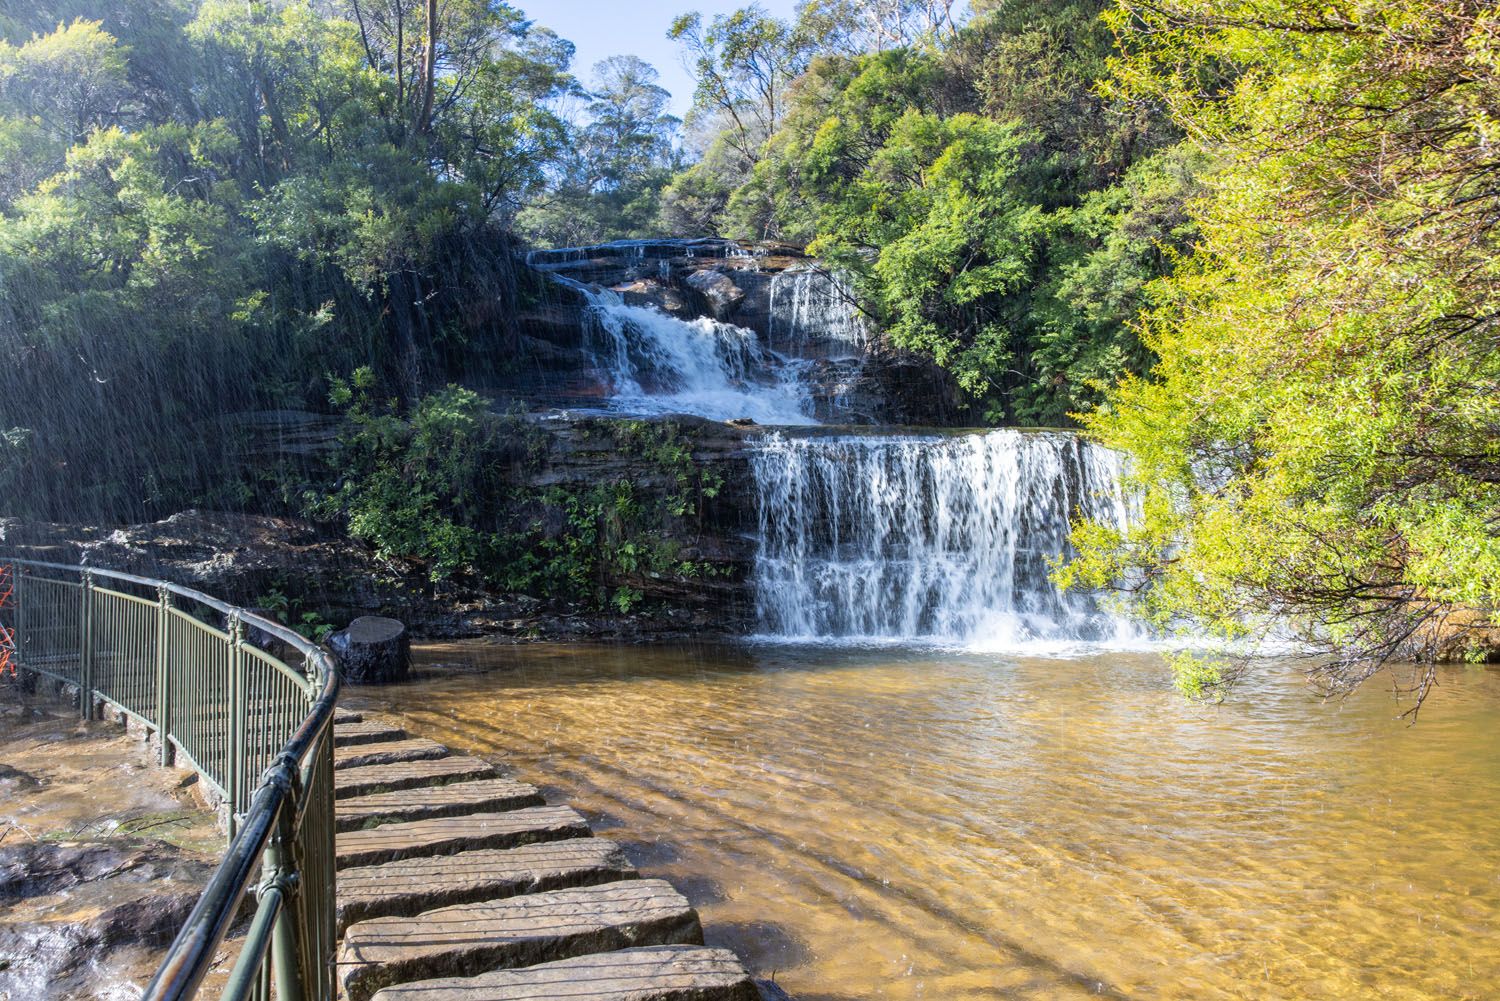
(720, 295)
(373, 649)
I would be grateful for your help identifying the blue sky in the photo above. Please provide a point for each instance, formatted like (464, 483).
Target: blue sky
(601, 28)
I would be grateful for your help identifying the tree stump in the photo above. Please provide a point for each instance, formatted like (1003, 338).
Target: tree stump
(372, 650)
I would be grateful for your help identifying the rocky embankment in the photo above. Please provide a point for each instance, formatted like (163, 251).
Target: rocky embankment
(259, 560)
(102, 853)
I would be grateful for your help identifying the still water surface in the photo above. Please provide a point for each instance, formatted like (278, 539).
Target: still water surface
(902, 825)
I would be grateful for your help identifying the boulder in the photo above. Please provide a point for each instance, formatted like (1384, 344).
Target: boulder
(719, 292)
(373, 650)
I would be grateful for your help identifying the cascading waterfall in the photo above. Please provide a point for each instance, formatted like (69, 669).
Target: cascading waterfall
(660, 364)
(929, 539)
(811, 311)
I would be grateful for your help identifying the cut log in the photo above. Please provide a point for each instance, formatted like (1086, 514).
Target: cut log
(372, 650)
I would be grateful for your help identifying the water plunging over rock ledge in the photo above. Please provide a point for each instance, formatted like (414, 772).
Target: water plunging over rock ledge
(690, 438)
(717, 329)
(924, 538)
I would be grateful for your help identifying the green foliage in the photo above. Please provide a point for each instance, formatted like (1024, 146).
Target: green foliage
(994, 212)
(1318, 437)
(610, 182)
(205, 204)
(290, 611)
(453, 488)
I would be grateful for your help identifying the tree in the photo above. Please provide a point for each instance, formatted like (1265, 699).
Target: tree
(744, 62)
(55, 89)
(622, 154)
(1320, 438)
(858, 27)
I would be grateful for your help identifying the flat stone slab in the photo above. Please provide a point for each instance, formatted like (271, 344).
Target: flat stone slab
(365, 732)
(520, 931)
(411, 749)
(367, 779)
(341, 715)
(447, 835)
(451, 800)
(654, 973)
(410, 886)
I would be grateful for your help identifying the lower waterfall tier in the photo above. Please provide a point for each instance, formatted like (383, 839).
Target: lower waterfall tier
(943, 539)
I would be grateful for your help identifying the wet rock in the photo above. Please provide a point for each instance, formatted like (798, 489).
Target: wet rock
(43, 867)
(719, 294)
(651, 292)
(373, 649)
(13, 781)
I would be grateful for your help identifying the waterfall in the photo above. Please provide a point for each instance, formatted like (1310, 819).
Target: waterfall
(812, 313)
(658, 364)
(928, 538)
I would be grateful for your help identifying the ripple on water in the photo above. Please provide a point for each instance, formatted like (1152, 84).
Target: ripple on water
(960, 826)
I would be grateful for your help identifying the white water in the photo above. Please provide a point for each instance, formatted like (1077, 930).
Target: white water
(812, 312)
(929, 539)
(658, 364)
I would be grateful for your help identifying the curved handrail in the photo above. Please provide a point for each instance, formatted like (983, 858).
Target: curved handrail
(145, 657)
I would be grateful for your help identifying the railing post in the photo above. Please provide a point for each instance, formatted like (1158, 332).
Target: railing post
(86, 654)
(18, 595)
(163, 679)
(239, 721)
(288, 950)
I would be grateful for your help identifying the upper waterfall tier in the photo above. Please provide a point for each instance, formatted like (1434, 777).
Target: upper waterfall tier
(928, 539)
(659, 364)
(716, 329)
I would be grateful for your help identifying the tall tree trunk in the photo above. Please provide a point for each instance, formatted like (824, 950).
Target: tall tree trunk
(429, 69)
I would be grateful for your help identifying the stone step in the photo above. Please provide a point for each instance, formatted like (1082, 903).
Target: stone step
(481, 796)
(342, 715)
(410, 886)
(476, 938)
(412, 749)
(365, 732)
(653, 973)
(367, 779)
(447, 835)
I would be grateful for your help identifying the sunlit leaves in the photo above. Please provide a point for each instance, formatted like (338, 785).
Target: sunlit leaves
(1324, 414)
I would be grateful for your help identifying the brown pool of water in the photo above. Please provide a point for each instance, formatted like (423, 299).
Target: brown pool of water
(905, 825)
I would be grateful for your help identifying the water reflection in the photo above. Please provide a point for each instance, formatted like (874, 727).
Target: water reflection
(894, 825)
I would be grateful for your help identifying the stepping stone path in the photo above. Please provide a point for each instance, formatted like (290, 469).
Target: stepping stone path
(458, 884)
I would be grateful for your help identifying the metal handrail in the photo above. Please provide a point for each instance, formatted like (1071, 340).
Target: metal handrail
(233, 709)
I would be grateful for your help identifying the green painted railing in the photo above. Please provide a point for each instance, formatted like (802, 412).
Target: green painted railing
(248, 703)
